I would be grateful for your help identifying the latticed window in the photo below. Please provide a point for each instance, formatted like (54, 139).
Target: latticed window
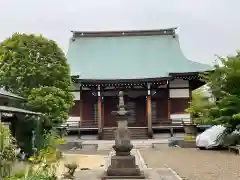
(154, 111)
(132, 107)
(95, 112)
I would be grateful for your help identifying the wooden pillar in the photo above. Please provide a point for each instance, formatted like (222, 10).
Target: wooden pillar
(81, 104)
(169, 103)
(81, 111)
(149, 112)
(169, 110)
(190, 100)
(102, 112)
(99, 107)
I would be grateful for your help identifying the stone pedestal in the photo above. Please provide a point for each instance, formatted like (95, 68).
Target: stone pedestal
(123, 164)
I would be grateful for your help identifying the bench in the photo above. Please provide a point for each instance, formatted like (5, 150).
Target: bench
(236, 149)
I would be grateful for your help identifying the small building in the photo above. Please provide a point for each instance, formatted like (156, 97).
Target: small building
(148, 65)
(7, 109)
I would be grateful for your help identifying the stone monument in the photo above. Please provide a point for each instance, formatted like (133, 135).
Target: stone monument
(123, 164)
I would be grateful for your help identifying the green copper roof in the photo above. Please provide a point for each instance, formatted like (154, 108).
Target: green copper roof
(129, 57)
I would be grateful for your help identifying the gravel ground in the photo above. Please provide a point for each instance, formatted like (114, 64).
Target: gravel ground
(194, 164)
(84, 159)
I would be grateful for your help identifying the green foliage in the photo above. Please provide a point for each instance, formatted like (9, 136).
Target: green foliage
(199, 106)
(22, 130)
(44, 164)
(31, 61)
(224, 83)
(231, 140)
(7, 151)
(48, 152)
(34, 175)
(40, 176)
(36, 68)
(189, 138)
(53, 102)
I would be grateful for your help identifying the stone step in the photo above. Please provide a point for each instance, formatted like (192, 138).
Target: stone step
(111, 137)
(138, 133)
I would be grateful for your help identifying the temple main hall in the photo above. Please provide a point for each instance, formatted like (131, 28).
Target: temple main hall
(147, 65)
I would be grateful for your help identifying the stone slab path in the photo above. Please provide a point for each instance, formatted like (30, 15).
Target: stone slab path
(107, 144)
(151, 174)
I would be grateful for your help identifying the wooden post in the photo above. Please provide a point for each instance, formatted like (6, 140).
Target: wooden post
(169, 103)
(190, 100)
(81, 111)
(149, 112)
(81, 104)
(102, 112)
(169, 111)
(99, 107)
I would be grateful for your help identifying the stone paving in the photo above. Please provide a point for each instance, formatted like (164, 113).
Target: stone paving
(151, 174)
(195, 164)
(107, 144)
(96, 146)
(76, 145)
(156, 136)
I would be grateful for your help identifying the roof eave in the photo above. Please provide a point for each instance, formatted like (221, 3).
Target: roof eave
(188, 73)
(8, 109)
(142, 80)
(166, 31)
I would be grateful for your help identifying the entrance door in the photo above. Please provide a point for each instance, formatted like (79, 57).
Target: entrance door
(110, 104)
(131, 106)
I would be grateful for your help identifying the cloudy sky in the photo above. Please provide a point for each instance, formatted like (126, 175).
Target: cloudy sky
(206, 27)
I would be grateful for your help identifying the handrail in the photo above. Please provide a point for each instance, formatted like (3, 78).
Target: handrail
(80, 124)
(88, 123)
(167, 122)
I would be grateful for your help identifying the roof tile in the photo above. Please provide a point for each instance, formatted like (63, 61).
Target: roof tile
(129, 57)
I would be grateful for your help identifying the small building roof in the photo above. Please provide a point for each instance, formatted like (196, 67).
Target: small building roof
(128, 55)
(6, 94)
(6, 109)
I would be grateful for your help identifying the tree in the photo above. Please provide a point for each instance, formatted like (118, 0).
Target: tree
(30, 61)
(53, 102)
(224, 83)
(36, 68)
(199, 106)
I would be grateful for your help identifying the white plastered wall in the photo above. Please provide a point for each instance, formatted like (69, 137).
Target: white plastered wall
(181, 91)
(76, 95)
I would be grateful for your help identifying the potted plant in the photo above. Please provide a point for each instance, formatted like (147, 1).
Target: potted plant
(190, 129)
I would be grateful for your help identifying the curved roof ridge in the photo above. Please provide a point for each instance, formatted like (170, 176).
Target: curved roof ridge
(125, 30)
(149, 32)
(192, 64)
